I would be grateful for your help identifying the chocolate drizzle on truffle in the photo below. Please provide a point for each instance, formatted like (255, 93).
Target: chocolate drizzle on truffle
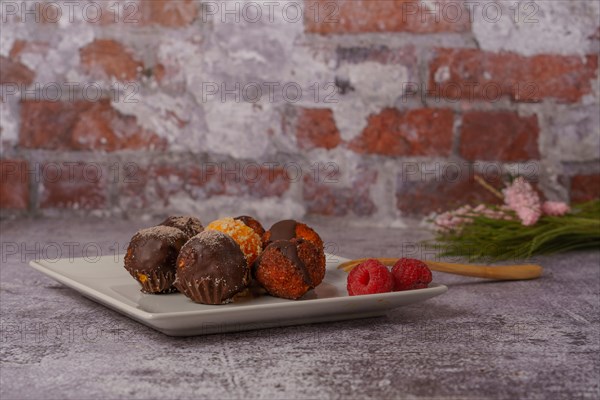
(283, 230)
(290, 250)
(290, 268)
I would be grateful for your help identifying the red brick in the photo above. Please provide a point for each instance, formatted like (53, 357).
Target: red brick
(425, 196)
(499, 136)
(21, 47)
(169, 76)
(207, 181)
(118, 12)
(268, 183)
(323, 199)
(169, 13)
(14, 185)
(323, 196)
(17, 48)
(82, 125)
(363, 16)
(159, 72)
(315, 128)
(585, 188)
(111, 58)
(14, 72)
(73, 185)
(473, 74)
(239, 179)
(148, 186)
(421, 132)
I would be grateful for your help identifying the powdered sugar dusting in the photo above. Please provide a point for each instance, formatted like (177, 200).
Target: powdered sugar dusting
(161, 232)
(216, 272)
(182, 220)
(211, 239)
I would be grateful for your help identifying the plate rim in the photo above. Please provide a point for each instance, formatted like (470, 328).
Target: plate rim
(88, 291)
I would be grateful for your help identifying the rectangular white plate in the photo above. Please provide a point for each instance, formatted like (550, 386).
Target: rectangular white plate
(107, 282)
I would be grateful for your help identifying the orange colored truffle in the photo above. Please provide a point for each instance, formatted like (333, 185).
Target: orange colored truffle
(244, 236)
(290, 268)
(252, 223)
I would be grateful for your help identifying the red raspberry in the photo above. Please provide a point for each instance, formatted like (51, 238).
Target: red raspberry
(370, 277)
(410, 273)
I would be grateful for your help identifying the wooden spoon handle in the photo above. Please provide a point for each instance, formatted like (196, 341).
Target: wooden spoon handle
(500, 272)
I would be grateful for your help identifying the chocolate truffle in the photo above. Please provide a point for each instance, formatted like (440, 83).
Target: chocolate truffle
(191, 226)
(211, 268)
(290, 268)
(151, 257)
(245, 237)
(290, 229)
(252, 223)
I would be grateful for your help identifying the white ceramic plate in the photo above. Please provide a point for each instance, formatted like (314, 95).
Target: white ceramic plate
(108, 283)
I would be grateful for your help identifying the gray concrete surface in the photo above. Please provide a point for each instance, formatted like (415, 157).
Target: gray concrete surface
(535, 339)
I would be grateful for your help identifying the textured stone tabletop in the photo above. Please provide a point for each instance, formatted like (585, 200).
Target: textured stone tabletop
(535, 339)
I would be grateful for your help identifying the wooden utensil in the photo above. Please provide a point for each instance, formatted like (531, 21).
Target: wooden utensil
(500, 272)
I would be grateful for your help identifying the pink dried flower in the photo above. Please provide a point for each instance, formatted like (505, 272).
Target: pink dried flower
(555, 208)
(522, 199)
(454, 220)
(447, 222)
(451, 220)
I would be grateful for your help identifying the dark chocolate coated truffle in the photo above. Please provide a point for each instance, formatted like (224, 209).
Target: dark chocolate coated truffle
(151, 257)
(212, 268)
(191, 226)
(290, 268)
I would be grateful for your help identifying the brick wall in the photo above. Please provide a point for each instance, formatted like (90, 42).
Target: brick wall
(370, 109)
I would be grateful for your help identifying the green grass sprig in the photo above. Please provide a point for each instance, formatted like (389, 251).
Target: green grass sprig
(495, 240)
